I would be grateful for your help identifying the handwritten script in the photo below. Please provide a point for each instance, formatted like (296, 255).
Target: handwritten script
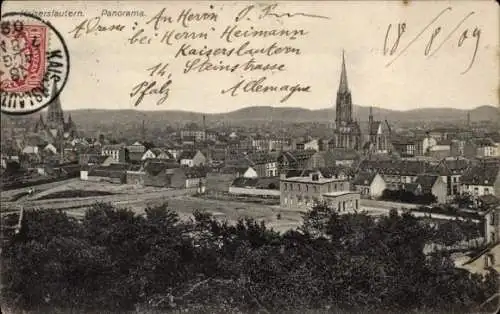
(204, 44)
(435, 40)
(158, 85)
(253, 47)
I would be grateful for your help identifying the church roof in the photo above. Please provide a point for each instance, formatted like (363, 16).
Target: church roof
(374, 127)
(343, 86)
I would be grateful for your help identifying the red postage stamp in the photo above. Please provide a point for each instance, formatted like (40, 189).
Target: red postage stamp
(23, 56)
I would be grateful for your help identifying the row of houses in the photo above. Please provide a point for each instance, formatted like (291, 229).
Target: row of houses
(447, 147)
(138, 153)
(152, 173)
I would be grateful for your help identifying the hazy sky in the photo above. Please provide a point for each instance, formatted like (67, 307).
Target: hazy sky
(105, 66)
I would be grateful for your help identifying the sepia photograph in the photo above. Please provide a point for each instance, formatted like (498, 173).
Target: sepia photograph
(249, 157)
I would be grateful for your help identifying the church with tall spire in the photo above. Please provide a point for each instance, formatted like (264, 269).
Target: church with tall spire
(347, 132)
(55, 128)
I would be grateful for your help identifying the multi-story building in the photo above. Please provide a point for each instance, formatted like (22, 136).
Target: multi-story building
(117, 151)
(482, 179)
(405, 147)
(451, 170)
(264, 163)
(300, 159)
(482, 147)
(395, 173)
(308, 145)
(192, 158)
(303, 191)
(488, 258)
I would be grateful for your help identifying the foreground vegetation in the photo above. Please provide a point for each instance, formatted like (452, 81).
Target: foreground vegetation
(114, 260)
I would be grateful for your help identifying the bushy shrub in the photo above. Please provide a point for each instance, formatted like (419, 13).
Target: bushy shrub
(115, 260)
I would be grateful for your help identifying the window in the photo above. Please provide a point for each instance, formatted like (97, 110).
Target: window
(299, 187)
(307, 188)
(357, 205)
(486, 191)
(284, 187)
(490, 260)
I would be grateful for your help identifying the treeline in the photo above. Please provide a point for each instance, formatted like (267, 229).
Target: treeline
(406, 196)
(115, 260)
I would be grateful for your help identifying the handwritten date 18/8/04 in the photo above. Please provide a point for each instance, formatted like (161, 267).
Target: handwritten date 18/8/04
(159, 85)
(434, 41)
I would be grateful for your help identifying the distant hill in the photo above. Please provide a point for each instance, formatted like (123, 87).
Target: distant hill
(86, 118)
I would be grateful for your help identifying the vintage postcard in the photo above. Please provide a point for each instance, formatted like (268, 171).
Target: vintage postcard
(250, 156)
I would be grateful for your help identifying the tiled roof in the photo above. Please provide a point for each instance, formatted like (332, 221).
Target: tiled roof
(135, 156)
(106, 172)
(426, 181)
(494, 136)
(195, 172)
(157, 151)
(330, 172)
(187, 154)
(262, 157)
(402, 167)
(258, 183)
(118, 166)
(97, 159)
(112, 147)
(489, 199)
(298, 155)
(482, 142)
(484, 174)
(411, 187)
(451, 166)
(341, 154)
(364, 178)
(154, 168)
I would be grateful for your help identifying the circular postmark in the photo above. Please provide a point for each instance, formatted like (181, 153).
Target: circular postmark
(34, 63)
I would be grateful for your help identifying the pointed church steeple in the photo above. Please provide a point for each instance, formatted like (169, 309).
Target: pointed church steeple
(343, 86)
(344, 102)
(55, 115)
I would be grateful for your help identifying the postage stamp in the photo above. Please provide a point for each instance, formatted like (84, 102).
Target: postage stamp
(34, 66)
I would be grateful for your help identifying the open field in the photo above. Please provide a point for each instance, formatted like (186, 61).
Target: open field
(138, 198)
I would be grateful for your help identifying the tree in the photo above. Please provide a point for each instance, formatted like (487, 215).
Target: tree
(116, 260)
